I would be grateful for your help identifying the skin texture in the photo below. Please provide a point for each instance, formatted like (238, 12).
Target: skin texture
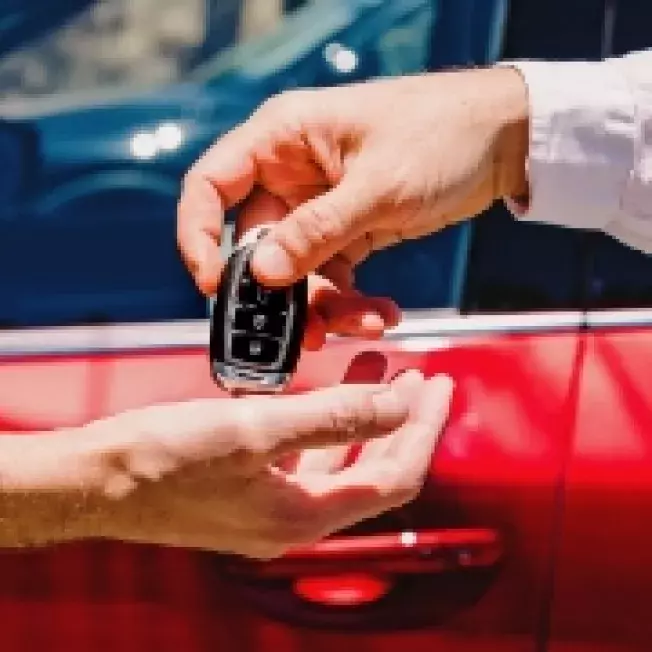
(345, 171)
(252, 476)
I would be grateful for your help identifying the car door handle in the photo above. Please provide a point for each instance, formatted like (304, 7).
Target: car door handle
(390, 554)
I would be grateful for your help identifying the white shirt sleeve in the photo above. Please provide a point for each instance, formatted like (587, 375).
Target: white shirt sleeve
(590, 158)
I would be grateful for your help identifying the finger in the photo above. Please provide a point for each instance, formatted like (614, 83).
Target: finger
(357, 315)
(313, 232)
(326, 460)
(365, 367)
(199, 226)
(339, 271)
(222, 177)
(336, 415)
(404, 463)
(375, 484)
(407, 385)
(413, 451)
(345, 311)
(314, 337)
(261, 207)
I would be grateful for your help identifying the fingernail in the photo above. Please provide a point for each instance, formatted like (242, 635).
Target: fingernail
(408, 376)
(435, 402)
(271, 260)
(442, 383)
(409, 384)
(439, 389)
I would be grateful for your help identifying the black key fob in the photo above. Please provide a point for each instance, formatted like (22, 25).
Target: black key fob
(255, 332)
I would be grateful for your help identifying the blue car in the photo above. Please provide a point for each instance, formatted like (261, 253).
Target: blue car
(90, 184)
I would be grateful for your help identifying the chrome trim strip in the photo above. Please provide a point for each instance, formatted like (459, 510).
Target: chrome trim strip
(193, 334)
(628, 318)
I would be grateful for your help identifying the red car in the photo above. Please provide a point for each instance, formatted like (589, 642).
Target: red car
(533, 532)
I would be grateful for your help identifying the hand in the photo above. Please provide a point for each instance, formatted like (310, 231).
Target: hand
(207, 474)
(353, 169)
(334, 305)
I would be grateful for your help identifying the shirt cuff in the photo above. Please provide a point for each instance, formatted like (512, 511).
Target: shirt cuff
(581, 143)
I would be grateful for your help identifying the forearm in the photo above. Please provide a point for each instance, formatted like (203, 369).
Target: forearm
(50, 488)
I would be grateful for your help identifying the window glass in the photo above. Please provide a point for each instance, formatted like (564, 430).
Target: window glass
(118, 100)
(517, 266)
(419, 274)
(619, 277)
(632, 26)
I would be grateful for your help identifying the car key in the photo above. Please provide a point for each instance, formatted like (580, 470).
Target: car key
(255, 332)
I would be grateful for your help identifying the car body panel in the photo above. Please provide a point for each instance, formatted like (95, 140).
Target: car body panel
(498, 466)
(604, 562)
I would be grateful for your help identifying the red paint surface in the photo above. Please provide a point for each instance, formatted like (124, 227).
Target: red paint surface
(603, 589)
(498, 467)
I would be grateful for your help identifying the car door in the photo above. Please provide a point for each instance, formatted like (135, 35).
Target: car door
(604, 561)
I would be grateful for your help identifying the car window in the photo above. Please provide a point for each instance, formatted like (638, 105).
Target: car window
(619, 276)
(117, 102)
(419, 274)
(516, 266)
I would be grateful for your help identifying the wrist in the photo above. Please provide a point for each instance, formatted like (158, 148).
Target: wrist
(512, 142)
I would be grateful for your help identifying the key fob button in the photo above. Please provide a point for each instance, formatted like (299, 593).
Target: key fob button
(247, 290)
(272, 300)
(252, 349)
(259, 321)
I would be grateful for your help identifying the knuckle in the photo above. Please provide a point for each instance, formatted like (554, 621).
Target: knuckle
(353, 414)
(280, 106)
(320, 222)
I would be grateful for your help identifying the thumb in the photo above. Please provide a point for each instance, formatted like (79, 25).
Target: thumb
(336, 415)
(314, 232)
